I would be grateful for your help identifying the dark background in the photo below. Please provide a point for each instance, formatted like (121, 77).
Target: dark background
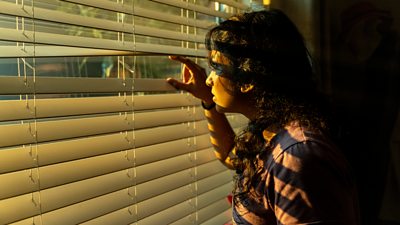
(355, 46)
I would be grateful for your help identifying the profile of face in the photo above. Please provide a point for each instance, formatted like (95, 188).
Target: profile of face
(253, 55)
(225, 94)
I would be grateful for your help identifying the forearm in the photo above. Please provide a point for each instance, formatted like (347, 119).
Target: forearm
(221, 135)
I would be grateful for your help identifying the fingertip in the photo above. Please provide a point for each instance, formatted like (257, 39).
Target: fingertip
(172, 82)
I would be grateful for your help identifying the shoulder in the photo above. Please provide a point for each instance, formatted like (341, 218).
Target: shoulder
(307, 178)
(297, 142)
(294, 141)
(308, 162)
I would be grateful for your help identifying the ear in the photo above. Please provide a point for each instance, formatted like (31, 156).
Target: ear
(246, 88)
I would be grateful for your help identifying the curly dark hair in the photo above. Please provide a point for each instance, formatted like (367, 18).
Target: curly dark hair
(266, 49)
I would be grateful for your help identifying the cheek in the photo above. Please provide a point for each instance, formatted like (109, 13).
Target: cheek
(224, 93)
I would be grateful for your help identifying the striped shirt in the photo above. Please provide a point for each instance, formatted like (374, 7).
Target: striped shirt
(303, 180)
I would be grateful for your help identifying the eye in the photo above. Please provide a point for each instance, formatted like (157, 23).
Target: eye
(219, 72)
(218, 68)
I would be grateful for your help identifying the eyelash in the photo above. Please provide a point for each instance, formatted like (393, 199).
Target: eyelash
(216, 67)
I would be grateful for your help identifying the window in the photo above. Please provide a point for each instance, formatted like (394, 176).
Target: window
(89, 130)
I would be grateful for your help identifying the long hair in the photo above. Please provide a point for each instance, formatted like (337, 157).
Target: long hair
(266, 50)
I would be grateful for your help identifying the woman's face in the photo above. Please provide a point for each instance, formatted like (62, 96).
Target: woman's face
(223, 92)
(227, 99)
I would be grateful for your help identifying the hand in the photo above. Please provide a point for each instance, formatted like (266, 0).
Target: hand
(194, 80)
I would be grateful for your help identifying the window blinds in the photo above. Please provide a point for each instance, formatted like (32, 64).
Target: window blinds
(89, 130)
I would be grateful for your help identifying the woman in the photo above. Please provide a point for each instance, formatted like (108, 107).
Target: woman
(288, 172)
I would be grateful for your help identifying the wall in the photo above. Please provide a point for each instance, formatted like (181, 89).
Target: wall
(356, 51)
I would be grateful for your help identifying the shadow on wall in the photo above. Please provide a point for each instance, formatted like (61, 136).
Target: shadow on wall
(365, 84)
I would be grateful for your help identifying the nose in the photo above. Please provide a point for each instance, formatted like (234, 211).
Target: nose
(209, 80)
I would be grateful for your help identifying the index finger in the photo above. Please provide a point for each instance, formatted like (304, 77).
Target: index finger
(189, 63)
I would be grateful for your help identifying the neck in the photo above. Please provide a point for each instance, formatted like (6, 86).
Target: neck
(249, 110)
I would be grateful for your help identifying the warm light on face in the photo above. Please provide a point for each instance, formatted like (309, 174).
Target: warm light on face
(220, 61)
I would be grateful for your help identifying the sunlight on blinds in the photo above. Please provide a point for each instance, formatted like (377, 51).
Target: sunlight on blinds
(90, 132)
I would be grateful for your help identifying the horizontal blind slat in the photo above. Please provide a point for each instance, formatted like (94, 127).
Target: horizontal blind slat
(57, 85)
(176, 3)
(57, 152)
(69, 194)
(205, 214)
(208, 169)
(96, 43)
(28, 221)
(72, 193)
(77, 20)
(211, 182)
(90, 209)
(19, 208)
(15, 159)
(203, 141)
(170, 182)
(80, 191)
(56, 51)
(74, 128)
(212, 196)
(104, 4)
(164, 201)
(68, 150)
(55, 175)
(148, 148)
(142, 12)
(193, 200)
(29, 51)
(63, 173)
(173, 19)
(165, 167)
(154, 153)
(168, 133)
(171, 214)
(121, 216)
(212, 210)
(53, 153)
(235, 4)
(57, 107)
(18, 183)
(223, 218)
(163, 217)
(20, 134)
(151, 189)
(26, 181)
(194, 7)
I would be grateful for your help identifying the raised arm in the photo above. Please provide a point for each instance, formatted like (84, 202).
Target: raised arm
(194, 82)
